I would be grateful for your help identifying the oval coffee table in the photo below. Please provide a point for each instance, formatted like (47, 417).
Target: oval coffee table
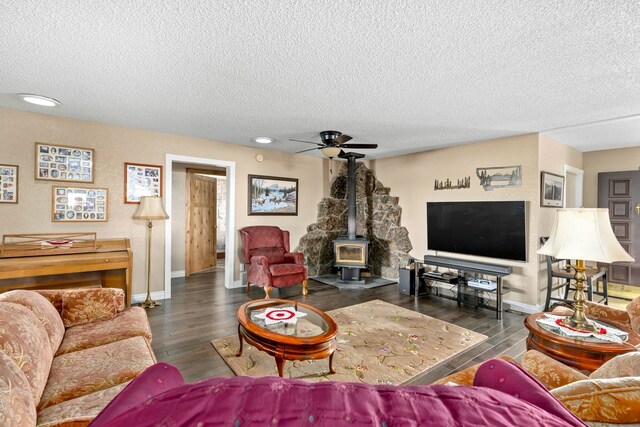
(580, 354)
(309, 337)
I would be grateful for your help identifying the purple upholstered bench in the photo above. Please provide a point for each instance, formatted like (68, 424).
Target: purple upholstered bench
(502, 395)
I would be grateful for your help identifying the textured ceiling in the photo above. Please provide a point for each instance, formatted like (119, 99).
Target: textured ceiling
(407, 75)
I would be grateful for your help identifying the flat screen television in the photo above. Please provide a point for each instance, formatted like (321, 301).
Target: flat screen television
(494, 229)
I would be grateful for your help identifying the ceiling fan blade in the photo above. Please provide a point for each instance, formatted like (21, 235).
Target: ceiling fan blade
(309, 149)
(307, 142)
(359, 146)
(341, 139)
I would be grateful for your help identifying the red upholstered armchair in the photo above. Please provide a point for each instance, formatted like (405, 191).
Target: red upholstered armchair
(269, 263)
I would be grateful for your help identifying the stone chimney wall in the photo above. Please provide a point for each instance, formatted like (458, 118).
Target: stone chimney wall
(378, 218)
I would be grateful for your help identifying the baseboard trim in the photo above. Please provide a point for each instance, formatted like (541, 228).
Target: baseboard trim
(177, 273)
(156, 296)
(237, 284)
(523, 308)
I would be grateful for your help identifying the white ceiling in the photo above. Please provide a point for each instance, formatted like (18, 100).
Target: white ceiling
(407, 75)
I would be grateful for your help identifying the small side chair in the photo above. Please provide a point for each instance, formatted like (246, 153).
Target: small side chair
(557, 269)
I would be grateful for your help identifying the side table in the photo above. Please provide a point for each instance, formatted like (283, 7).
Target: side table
(579, 354)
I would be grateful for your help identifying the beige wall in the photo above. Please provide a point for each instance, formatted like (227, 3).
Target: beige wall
(623, 159)
(114, 145)
(552, 156)
(411, 178)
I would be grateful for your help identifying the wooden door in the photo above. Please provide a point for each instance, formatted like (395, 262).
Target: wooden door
(620, 193)
(201, 233)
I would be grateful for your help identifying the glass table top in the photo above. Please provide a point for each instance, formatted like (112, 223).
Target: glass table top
(286, 318)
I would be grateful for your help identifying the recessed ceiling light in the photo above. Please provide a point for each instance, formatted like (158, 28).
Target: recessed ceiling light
(43, 101)
(262, 140)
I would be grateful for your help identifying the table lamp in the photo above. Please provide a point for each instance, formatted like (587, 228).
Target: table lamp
(150, 208)
(583, 234)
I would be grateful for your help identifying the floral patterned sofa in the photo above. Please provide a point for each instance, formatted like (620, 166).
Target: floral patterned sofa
(65, 354)
(609, 396)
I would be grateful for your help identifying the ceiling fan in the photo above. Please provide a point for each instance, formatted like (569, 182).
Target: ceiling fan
(333, 143)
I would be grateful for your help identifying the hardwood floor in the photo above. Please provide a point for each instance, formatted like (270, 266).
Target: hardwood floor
(202, 309)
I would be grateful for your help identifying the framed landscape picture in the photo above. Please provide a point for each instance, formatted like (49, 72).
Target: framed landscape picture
(63, 163)
(141, 180)
(271, 195)
(551, 190)
(8, 184)
(72, 204)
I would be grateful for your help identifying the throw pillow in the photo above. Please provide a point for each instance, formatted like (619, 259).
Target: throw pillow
(624, 365)
(633, 310)
(80, 306)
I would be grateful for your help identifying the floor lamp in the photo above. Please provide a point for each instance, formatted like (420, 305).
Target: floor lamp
(583, 234)
(150, 208)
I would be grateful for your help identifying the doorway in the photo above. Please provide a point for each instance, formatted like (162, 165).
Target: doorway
(171, 161)
(205, 214)
(619, 192)
(573, 188)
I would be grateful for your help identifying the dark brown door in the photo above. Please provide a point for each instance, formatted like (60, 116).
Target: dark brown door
(620, 193)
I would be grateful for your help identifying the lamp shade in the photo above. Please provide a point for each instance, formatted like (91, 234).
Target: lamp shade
(584, 234)
(150, 208)
(330, 152)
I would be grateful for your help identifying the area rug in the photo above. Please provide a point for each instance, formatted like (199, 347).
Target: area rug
(378, 343)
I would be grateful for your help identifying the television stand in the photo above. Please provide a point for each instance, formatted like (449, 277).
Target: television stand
(465, 266)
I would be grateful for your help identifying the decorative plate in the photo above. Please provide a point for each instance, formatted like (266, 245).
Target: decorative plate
(59, 242)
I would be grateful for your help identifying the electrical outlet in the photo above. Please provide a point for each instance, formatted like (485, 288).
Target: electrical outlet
(241, 267)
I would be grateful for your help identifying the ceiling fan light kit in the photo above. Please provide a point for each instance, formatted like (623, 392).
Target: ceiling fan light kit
(333, 143)
(330, 152)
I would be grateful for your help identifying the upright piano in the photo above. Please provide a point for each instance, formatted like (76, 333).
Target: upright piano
(108, 265)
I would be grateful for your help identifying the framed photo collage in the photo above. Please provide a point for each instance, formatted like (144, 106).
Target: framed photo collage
(8, 184)
(64, 163)
(67, 166)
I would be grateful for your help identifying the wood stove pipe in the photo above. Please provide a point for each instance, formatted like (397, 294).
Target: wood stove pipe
(351, 192)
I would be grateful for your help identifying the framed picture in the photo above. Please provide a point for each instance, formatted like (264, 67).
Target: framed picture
(8, 184)
(551, 190)
(64, 163)
(141, 180)
(272, 195)
(79, 204)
